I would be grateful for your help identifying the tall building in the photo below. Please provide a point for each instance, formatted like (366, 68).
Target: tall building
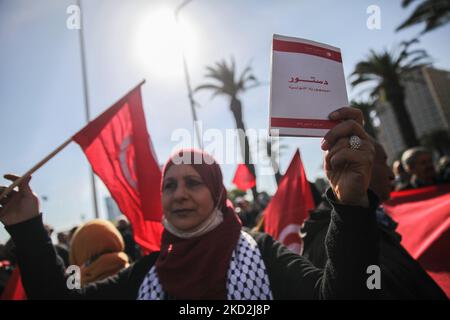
(427, 99)
(388, 132)
(112, 209)
(439, 84)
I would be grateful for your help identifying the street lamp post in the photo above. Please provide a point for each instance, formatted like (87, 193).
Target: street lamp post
(86, 104)
(187, 78)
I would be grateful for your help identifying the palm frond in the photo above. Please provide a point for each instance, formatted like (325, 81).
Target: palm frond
(434, 13)
(376, 91)
(406, 3)
(363, 79)
(225, 75)
(208, 87)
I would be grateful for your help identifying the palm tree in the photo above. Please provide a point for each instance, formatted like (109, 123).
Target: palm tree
(228, 84)
(366, 108)
(434, 13)
(387, 70)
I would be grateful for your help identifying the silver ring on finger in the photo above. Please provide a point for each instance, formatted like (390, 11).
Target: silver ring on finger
(355, 142)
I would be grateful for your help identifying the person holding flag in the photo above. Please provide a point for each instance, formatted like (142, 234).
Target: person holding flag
(204, 252)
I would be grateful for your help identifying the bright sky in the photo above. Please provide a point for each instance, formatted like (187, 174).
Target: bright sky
(126, 41)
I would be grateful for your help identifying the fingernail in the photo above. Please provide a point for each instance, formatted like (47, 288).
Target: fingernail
(334, 115)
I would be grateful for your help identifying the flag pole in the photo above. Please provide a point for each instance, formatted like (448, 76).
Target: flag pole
(52, 154)
(86, 103)
(187, 78)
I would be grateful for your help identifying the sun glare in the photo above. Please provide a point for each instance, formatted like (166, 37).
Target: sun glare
(159, 43)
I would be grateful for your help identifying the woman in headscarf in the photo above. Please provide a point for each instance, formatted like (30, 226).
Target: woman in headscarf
(97, 248)
(204, 252)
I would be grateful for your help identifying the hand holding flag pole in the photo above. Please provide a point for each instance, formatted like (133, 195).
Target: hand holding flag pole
(37, 166)
(118, 147)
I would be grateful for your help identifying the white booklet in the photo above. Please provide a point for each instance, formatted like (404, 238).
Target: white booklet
(307, 84)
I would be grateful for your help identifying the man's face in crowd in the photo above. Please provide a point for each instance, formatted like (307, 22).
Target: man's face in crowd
(423, 169)
(382, 175)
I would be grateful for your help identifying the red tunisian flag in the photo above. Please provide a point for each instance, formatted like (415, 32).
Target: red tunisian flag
(423, 217)
(243, 178)
(289, 206)
(118, 148)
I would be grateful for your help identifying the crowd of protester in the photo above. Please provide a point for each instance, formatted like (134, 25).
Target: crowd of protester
(417, 169)
(102, 249)
(99, 247)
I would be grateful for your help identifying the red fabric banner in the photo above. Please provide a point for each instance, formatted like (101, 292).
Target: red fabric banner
(289, 206)
(14, 289)
(243, 178)
(423, 217)
(119, 150)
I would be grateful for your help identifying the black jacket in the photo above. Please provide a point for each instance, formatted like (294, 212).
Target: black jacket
(401, 276)
(352, 243)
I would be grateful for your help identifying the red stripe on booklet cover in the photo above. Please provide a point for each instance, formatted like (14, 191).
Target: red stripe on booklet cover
(302, 123)
(289, 46)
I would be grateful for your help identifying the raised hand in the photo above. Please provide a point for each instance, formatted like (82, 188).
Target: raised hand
(18, 206)
(348, 169)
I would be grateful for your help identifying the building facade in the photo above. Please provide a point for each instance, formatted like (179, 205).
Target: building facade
(427, 98)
